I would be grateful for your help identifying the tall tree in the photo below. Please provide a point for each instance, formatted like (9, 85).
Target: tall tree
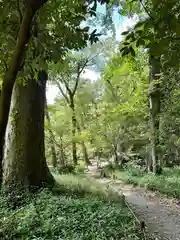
(154, 103)
(70, 77)
(24, 157)
(47, 44)
(84, 148)
(31, 7)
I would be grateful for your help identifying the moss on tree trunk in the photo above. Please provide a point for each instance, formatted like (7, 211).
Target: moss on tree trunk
(24, 157)
(8, 82)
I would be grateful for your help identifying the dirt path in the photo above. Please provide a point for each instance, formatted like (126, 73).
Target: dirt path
(161, 216)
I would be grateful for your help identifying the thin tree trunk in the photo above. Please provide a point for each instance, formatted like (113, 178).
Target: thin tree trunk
(10, 77)
(63, 157)
(53, 149)
(98, 155)
(74, 146)
(120, 158)
(85, 153)
(84, 148)
(116, 160)
(148, 160)
(154, 99)
(24, 157)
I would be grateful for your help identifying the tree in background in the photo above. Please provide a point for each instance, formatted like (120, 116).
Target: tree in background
(67, 80)
(51, 136)
(42, 49)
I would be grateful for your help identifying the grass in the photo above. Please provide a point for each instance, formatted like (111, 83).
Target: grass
(77, 208)
(80, 186)
(168, 183)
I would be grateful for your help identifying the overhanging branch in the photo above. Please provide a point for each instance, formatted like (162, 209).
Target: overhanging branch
(62, 92)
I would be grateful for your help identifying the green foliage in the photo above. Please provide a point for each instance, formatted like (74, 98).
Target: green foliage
(167, 183)
(111, 114)
(156, 30)
(108, 109)
(80, 167)
(57, 28)
(79, 185)
(68, 168)
(53, 216)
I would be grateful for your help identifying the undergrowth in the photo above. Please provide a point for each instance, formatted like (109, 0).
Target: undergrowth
(80, 186)
(168, 183)
(69, 168)
(73, 210)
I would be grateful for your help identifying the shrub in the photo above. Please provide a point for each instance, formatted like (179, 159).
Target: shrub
(68, 168)
(75, 185)
(168, 183)
(80, 167)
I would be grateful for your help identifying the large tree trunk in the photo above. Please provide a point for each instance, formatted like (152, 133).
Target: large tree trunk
(53, 149)
(10, 77)
(154, 99)
(24, 157)
(74, 147)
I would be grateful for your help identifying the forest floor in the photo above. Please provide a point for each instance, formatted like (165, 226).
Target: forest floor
(160, 214)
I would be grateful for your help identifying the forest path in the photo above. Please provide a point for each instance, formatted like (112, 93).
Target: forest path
(161, 215)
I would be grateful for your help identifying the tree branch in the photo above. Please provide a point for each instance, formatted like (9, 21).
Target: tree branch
(5, 65)
(67, 87)
(19, 11)
(62, 92)
(146, 10)
(80, 69)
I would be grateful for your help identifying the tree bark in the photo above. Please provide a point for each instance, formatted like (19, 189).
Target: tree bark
(85, 153)
(120, 149)
(84, 148)
(10, 77)
(24, 157)
(74, 146)
(62, 153)
(98, 157)
(116, 158)
(53, 149)
(155, 102)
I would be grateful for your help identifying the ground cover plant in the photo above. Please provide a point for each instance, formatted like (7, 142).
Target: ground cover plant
(85, 212)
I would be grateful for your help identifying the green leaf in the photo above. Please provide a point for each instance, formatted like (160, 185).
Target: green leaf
(132, 51)
(139, 25)
(130, 37)
(126, 51)
(126, 43)
(125, 33)
(139, 32)
(123, 48)
(140, 42)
